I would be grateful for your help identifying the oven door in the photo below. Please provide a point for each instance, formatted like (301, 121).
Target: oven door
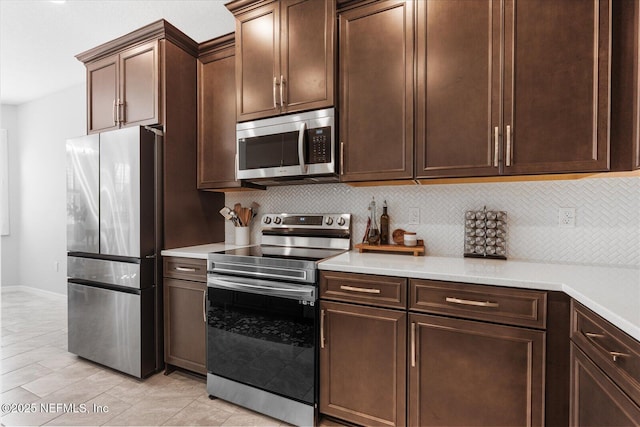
(262, 334)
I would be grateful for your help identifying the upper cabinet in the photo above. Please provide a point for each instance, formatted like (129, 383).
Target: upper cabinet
(123, 89)
(376, 91)
(512, 87)
(217, 114)
(284, 56)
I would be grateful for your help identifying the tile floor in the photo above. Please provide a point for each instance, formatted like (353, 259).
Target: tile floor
(37, 369)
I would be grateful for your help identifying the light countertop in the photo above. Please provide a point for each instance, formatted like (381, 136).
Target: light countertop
(200, 251)
(613, 293)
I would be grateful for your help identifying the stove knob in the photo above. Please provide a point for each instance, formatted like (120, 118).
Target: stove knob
(277, 220)
(329, 221)
(341, 221)
(266, 220)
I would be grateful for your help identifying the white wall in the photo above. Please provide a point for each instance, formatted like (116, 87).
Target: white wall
(38, 219)
(9, 245)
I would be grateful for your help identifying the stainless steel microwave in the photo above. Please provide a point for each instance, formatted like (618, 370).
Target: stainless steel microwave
(284, 148)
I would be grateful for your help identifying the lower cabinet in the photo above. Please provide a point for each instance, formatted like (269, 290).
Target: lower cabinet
(595, 399)
(185, 291)
(433, 353)
(605, 372)
(468, 373)
(362, 364)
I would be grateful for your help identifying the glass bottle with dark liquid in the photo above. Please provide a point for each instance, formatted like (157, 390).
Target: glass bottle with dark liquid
(384, 225)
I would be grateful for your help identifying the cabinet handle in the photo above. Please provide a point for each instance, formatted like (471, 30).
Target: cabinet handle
(115, 115)
(413, 345)
(122, 117)
(282, 100)
(454, 300)
(495, 145)
(275, 100)
(341, 158)
(204, 306)
(362, 290)
(593, 335)
(508, 156)
(322, 328)
(613, 354)
(186, 269)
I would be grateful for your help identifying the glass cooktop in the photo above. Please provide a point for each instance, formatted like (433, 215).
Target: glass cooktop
(283, 252)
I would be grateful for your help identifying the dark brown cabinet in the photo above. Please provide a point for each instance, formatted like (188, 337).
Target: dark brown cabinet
(185, 291)
(362, 350)
(514, 87)
(285, 56)
(217, 114)
(492, 374)
(376, 91)
(123, 89)
(473, 373)
(152, 74)
(605, 372)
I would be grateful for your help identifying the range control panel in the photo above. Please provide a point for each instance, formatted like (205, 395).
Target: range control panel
(323, 221)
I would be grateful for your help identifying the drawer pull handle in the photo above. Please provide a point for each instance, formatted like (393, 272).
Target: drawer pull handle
(471, 302)
(363, 290)
(593, 335)
(186, 269)
(615, 355)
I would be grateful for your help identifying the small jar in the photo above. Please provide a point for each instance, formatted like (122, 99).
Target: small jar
(410, 238)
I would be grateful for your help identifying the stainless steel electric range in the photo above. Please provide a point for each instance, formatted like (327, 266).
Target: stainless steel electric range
(262, 329)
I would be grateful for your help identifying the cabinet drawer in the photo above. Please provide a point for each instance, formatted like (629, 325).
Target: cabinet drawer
(494, 304)
(615, 352)
(186, 268)
(364, 288)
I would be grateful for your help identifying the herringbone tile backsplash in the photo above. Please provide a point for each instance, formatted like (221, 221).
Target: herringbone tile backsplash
(607, 230)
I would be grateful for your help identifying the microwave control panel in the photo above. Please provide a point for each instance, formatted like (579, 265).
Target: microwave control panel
(319, 148)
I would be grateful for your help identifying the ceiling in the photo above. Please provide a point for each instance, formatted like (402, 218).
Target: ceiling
(39, 39)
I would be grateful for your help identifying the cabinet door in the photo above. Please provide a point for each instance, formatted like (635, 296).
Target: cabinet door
(363, 364)
(376, 91)
(595, 399)
(184, 324)
(217, 120)
(139, 85)
(257, 62)
(102, 94)
(472, 373)
(307, 54)
(458, 88)
(556, 80)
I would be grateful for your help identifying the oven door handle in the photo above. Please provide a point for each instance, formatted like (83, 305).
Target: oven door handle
(266, 290)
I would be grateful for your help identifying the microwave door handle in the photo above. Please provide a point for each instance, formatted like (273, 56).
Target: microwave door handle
(301, 134)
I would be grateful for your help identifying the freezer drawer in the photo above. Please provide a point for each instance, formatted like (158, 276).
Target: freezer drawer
(112, 328)
(136, 275)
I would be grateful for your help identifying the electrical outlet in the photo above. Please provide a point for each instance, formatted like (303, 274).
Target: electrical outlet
(567, 217)
(414, 216)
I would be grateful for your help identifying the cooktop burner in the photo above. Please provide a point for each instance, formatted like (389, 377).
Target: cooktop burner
(265, 251)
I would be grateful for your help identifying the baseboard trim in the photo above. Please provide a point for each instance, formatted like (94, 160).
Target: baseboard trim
(34, 291)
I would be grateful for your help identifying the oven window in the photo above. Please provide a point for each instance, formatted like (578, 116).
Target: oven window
(263, 341)
(269, 151)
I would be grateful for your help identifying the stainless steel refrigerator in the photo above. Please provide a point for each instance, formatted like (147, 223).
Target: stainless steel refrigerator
(113, 287)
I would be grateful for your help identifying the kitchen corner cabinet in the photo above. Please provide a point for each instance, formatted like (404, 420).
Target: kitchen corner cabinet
(185, 290)
(525, 92)
(363, 348)
(217, 114)
(605, 372)
(284, 57)
(376, 91)
(123, 89)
